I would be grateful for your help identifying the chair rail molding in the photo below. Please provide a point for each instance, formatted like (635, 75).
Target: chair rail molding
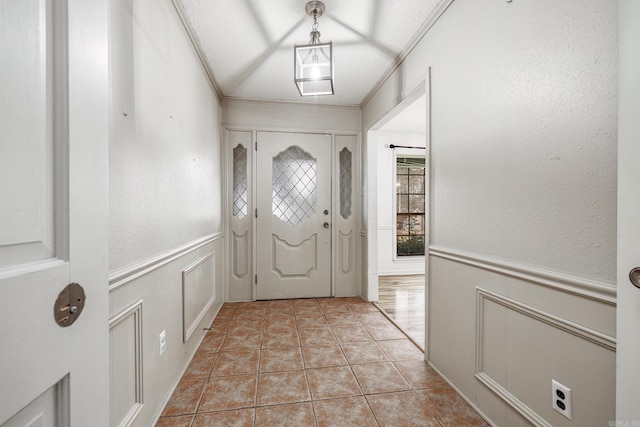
(591, 289)
(124, 275)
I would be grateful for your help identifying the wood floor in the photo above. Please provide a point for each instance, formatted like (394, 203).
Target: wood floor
(402, 298)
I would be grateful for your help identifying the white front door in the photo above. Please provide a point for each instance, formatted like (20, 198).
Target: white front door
(294, 215)
(628, 318)
(53, 213)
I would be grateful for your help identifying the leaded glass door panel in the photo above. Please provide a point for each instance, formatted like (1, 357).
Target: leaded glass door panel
(294, 215)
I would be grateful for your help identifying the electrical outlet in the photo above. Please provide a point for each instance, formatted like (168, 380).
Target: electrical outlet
(163, 341)
(561, 398)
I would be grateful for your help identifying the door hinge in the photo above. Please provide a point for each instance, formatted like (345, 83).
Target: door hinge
(256, 145)
(256, 212)
(256, 280)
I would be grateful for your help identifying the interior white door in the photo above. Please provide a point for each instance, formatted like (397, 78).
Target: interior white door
(53, 212)
(294, 215)
(628, 298)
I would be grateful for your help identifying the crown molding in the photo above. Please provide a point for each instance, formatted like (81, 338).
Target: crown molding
(431, 20)
(194, 42)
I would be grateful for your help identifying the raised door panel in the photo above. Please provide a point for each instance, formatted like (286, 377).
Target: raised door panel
(27, 150)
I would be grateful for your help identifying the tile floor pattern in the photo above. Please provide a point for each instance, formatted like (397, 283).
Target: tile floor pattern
(311, 362)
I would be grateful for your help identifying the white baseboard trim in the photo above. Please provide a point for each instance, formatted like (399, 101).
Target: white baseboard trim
(173, 387)
(129, 273)
(598, 291)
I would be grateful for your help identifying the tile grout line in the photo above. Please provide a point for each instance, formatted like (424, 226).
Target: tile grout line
(354, 374)
(326, 311)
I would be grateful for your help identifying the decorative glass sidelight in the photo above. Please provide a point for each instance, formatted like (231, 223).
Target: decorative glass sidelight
(294, 185)
(240, 189)
(345, 183)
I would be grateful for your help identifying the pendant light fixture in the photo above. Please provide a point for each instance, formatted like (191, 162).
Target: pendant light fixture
(313, 62)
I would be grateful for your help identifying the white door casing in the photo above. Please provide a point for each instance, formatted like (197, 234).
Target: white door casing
(293, 225)
(628, 297)
(54, 212)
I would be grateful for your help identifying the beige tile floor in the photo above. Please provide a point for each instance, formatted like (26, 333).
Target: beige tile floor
(311, 362)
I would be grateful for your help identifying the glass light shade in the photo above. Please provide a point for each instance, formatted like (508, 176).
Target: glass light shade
(313, 65)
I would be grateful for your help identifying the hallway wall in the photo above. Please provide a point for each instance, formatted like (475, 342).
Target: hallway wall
(523, 224)
(166, 234)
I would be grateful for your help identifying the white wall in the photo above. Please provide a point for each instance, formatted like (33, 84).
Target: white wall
(523, 169)
(266, 115)
(388, 263)
(166, 234)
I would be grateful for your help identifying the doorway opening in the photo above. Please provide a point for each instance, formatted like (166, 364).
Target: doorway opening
(398, 224)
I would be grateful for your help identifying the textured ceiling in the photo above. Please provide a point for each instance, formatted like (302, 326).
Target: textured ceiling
(248, 44)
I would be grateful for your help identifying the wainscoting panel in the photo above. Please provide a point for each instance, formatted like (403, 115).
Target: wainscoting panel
(501, 340)
(497, 317)
(198, 292)
(182, 290)
(125, 336)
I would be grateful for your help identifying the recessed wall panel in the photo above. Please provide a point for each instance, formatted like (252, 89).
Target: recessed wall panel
(198, 292)
(125, 344)
(520, 349)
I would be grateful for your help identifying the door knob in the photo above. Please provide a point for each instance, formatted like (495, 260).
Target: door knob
(326, 225)
(634, 277)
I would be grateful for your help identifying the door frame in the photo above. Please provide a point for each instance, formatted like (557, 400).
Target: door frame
(628, 297)
(370, 249)
(358, 234)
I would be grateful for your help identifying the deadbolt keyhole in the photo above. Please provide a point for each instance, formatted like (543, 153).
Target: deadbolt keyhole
(69, 305)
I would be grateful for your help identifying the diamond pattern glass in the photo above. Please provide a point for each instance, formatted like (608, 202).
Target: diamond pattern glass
(345, 183)
(294, 186)
(240, 191)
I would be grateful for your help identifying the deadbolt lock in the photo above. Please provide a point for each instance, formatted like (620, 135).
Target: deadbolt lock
(634, 277)
(69, 305)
